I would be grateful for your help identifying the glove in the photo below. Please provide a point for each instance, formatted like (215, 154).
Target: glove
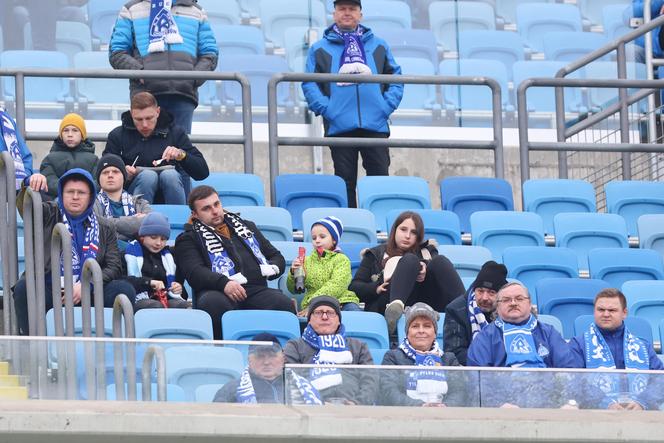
(269, 270)
(238, 278)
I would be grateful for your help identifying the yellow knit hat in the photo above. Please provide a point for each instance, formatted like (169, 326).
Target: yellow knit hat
(74, 120)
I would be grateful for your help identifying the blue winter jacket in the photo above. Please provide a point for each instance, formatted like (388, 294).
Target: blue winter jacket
(128, 48)
(359, 106)
(637, 11)
(26, 155)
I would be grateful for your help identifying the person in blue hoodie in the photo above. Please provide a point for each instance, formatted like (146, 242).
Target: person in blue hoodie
(91, 237)
(12, 141)
(353, 110)
(608, 344)
(656, 9)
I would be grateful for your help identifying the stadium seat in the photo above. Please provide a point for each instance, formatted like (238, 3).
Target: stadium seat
(384, 16)
(276, 17)
(507, 8)
(645, 300)
(442, 226)
(297, 192)
(417, 43)
(174, 393)
(504, 46)
(72, 38)
(274, 223)
(497, 230)
(651, 232)
(181, 324)
(474, 97)
(377, 355)
(551, 320)
(602, 97)
(632, 198)
(401, 329)
(567, 298)
(541, 99)
(251, 6)
(370, 327)
(417, 96)
(245, 324)
(448, 18)
(467, 260)
(78, 321)
(192, 366)
(582, 232)
(353, 251)
(618, 265)
(529, 264)
(236, 189)
(534, 21)
(550, 197)
(381, 194)
(289, 249)
(206, 393)
(359, 224)
(465, 195)
(568, 46)
(239, 39)
(613, 21)
(222, 14)
(178, 216)
(102, 15)
(99, 95)
(636, 325)
(594, 11)
(297, 44)
(259, 69)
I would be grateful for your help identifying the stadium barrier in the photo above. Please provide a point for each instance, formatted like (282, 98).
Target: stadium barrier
(123, 309)
(8, 239)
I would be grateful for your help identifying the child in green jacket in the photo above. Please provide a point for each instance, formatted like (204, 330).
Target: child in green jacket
(327, 269)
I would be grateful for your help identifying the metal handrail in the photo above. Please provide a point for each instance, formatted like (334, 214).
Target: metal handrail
(91, 274)
(156, 352)
(34, 262)
(8, 238)
(61, 256)
(246, 139)
(123, 309)
(275, 141)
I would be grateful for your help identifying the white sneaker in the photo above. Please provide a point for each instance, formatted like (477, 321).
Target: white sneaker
(393, 312)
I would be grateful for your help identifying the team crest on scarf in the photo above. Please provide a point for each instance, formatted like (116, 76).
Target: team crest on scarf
(520, 345)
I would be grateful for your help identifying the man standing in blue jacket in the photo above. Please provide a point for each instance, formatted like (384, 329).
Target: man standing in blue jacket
(353, 109)
(165, 35)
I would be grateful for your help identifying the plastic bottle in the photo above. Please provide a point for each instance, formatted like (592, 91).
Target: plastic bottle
(298, 274)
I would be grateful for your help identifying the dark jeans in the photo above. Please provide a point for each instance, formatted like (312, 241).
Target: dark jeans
(111, 290)
(441, 285)
(181, 108)
(216, 303)
(375, 160)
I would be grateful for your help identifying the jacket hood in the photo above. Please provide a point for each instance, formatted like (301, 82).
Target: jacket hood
(85, 146)
(80, 174)
(164, 122)
(332, 36)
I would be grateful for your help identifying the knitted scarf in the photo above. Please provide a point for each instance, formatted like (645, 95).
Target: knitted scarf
(127, 204)
(245, 391)
(85, 239)
(303, 391)
(425, 385)
(475, 315)
(520, 344)
(163, 28)
(331, 350)
(134, 259)
(353, 58)
(9, 135)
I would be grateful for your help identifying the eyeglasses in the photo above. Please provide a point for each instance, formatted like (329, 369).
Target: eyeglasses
(320, 314)
(509, 301)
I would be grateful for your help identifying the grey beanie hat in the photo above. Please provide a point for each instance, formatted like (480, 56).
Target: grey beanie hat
(325, 300)
(155, 223)
(420, 309)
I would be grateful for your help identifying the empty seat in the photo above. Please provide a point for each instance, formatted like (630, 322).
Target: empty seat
(645, 299)
(297, 41)
(636, 325)
(72, 38)
(619, 265)
(259, 69)
(178, 216)
(567, 298)
(442, 226)
(529, 264)
(297, 192)
(583, 232)
(380, 194)
(37, 89)
(467, 260)
(184, 324)
(276, 17)
(632, 198)
(78, 321)
(99, 94)
(507, 8)
(571, 45)
(536, 20)
(651, 232)
(174, 393)
(206, 393)
(503, 46)
(236, 189)
(353, 250)
(602, 97)
(594, 11)
(401, 329)
(102, 15)
(359, 224)
(370, 327)
(613, 20)
(448, 18)
(383, 16)
(239, 39)
(473, 97)
(417, 43)
(417, 96)
(465, 195)
(497, 230)
(551, 320)
(245, 324)
(550, 197)
(274, 223)
(541, 99)
(222, 14)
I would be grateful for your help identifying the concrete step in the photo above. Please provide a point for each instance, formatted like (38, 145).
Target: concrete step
(9, 381)
(4, 368)
(13, 393)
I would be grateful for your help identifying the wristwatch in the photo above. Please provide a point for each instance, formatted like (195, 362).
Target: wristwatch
(182, 156)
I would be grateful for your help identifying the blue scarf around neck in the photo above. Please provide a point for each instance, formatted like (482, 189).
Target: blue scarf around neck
(476, 316)
(520, 344)
(127, 204)
(84, 231)
(429, 386)
(331, 350)
(163, 28)
(10, 138)
(134, 259)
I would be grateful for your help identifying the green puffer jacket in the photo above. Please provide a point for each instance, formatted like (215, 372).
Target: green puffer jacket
(61, 159)
(326, 275)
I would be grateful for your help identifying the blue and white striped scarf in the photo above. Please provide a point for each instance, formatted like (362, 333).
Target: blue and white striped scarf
(520, 344)
(425, 385)
(134, 259)
(9, 135)
(475, 314)
(245, 392)
(163, 28)
(332, 350)
(127, 204)
(88, 249)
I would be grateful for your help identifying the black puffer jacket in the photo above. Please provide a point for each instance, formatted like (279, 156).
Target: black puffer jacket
(62, 158)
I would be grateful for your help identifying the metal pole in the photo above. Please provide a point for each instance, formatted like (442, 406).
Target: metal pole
(624, 113)
(522, 118)
(8, 238)
(247, 122)
(497, 109)
(158, 354)
(122, 308)
(20, 102)
(560, 130)
(91, 273)
(273, 133)
(61, 256)
(652, 118)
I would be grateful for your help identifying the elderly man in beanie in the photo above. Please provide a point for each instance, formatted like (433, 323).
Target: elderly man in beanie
(91, 237)
(125, 212)
(353, 110)
(324, 343)
(471, 312)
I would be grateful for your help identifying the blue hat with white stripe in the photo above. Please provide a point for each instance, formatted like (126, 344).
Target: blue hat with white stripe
(333, 225)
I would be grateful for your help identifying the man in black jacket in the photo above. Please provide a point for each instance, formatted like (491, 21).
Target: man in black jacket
(157, 154)
(227, 260)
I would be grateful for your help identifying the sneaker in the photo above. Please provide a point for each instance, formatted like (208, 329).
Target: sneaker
(393, 312)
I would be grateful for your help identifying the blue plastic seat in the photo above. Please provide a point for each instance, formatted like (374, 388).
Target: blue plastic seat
(465, 195)
(252, 7)
(507, 8)
(448, 18)
(178, 216)
(529, 264)
(548, 197)
(297, 40)
(99, 94)
(259, 69)
(290, 249)
(297, 192)
(78, 321)
(645, 300)
(570, 45)
(377, 355)
(381, 194)
(583, 232)
(384, 16)
(551, 320)
(534, 21)
(239, 39)
(401, 329)
(567, 298)
(102, 15)
(503, 46)
(594, 11)
(245, 324)
(602, 97)
(359, 224)
(72, 38)
(192, 366)
(631, 199)
(613, 21)
(418, 43)
(206, 393)
(236, 189)
(636, 325)
(37, 89)
(174, 393)
(417, 96)
(353, 250)
(467, 260)
(222, 14)
(276, 17)
(474, 97)
(274, 223)
(618, 265)
(370, 327)
(185, 324)
(497, 230)
(442, 226)
(541, 99)
(651, 232)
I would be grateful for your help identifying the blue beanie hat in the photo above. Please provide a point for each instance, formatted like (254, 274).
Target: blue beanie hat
(155, 223)
(333, 225)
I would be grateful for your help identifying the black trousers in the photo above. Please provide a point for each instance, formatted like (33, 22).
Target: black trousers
(375, 160)
(216, 303)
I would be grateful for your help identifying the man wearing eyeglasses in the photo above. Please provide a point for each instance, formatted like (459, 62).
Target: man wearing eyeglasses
(91, 237)
(324, 343)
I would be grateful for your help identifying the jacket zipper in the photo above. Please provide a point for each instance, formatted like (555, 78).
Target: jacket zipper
(359, 114)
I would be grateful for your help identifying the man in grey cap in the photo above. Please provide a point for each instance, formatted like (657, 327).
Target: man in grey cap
(324, 343)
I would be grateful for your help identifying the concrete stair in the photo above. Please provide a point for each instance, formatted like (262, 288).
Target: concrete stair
(10, 385)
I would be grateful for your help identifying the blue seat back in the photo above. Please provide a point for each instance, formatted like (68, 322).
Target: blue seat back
(353, 251)
(239, 40)
(369, 327)
(507, 8)
(236, 189)
(181, 324)
(174, 393)
(102, 15)
(542, 99)
(473, 97)
(570, 45)
(603, 97)
(78, 321)
(446, 19)
(245, 324)
(276, 17)
(618, 265)
(417, 96)
(259, 69)
(645, 300)
(535, 21)
(178, 215)
(503, 46)
(37, 89)
(637, 326)
(99, 91)
(651, 232)
(497, 230)
(222, 14)
(467, 260)
(206, 393)
(290, 249)
(401, 329)
(442, 226)
(359, 224)
(274, 223)
(384, 16)
(631, 199)
(377, 355)
(72, 38)
(613, 21)
(551, 320)
(417, 43)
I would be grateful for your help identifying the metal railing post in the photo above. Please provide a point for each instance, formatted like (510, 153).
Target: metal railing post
(33, 220)
(157, 353)
(522, 119)
(650, 75)
(122, 308)
(624, 113)
(8, 239)
(91, 274)
(247, 123)
(20, 102)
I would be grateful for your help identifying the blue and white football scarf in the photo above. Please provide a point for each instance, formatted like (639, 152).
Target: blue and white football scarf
(245, 392)
(475, 315)
(425, 385)
(520, 344)
(90, 245)
(304, 391)
(353, 58)
(9, 136)
(127, 204)
(332, 350)
(163, 28)
(134, 259)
